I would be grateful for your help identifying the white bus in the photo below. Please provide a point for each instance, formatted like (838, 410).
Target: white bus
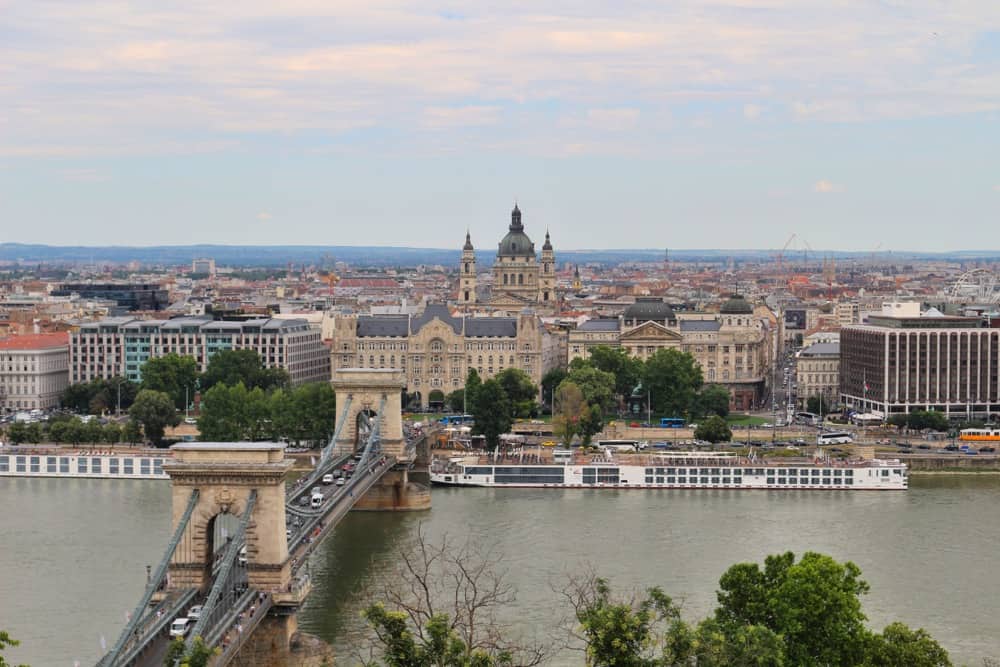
(834, 438)
(621, 445)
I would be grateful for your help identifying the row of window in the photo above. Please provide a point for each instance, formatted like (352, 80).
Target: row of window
(770, 472)
(84, 465)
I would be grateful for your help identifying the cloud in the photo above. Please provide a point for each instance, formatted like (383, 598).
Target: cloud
(84, 175)
(440, 117)
(752, 111)
(827, 187)
(264, 216)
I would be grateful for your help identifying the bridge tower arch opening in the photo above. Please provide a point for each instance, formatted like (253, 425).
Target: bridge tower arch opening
(225, 474)
(367, 389)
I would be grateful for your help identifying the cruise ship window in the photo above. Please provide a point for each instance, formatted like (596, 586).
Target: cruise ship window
(4, 464)
(19, 463)
(50, 464)
(113, 466)
(95, 464)
(64, 464)
(81, 465)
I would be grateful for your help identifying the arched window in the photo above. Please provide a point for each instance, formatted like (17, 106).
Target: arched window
(371, 361)
(381, 361)
(466, 267)
(505, 279)
(520, 279)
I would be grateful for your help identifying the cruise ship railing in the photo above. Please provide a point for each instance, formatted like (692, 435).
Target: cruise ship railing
(154, 583)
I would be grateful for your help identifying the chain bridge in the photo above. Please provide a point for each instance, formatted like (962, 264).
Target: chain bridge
(240, 544)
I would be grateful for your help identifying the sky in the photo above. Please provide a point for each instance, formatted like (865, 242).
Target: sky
(853, 124)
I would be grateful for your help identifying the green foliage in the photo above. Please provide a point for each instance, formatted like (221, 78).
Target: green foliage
(455, 401)
(899, 646)
(598, 386)
(305, 414)
(171, 374)
(818, 404)
(155, 411)
(550, 381)
(714, 429)
(921, 419)
(5, 641)
(234, 366)
(229, 414)
(712, 400)
(17, 433)
(199, 655)
(626, 368)
(568, 411)
(132, 433)
(492, 412)
(99, 396)
(673, 379)
(437, 646)
(591, 424)
(34, 432)
(112, 433)
(814, 605)
(472, 385)
(520, 390)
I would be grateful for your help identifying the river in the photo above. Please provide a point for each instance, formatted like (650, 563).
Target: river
(74, 553)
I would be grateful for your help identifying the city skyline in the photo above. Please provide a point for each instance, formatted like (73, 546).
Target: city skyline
(402, 124)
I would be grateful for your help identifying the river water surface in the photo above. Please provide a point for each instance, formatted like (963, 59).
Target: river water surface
(74, 553)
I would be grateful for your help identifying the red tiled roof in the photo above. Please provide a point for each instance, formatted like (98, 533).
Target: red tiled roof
(35, 341)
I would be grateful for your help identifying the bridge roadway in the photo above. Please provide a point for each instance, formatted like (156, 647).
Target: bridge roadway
(308, 527)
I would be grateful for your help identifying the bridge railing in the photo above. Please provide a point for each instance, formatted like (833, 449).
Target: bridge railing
(248, 614)
(154, 625)
(128, 632)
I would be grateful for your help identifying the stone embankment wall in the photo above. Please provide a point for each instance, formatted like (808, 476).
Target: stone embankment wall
(960, 462)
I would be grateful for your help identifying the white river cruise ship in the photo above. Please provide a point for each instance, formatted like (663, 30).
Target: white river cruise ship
(27, 461)
(680, 470)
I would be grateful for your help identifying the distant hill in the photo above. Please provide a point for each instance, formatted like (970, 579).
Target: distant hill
(242, 255)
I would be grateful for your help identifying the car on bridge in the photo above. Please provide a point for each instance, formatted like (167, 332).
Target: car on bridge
(341, 481)
(328, 478)
(181, 626)
(195, 612)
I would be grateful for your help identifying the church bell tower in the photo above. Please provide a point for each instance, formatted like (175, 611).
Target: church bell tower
(467, 273)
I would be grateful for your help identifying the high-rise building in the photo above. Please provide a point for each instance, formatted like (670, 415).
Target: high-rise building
(127, 296)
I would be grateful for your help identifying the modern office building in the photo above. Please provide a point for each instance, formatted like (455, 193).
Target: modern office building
(203, 266)
(436, 350)
(128, 296)
(120, 346)
(898, 364)
(34, 371)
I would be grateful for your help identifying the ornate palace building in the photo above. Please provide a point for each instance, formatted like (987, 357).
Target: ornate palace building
(733, 347)
(520, 279)
(435, 350)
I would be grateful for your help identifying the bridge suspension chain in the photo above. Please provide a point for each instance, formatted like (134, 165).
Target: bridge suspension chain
(374, 443)
(154, 583)
(222, 578)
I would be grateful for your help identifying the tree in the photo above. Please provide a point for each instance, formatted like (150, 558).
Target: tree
(199, 656)
(440, 611)
(17, 433)
(552, 378)
(520, 390)
(598, 386)
(673, 379)
(899, 646)
(155, 411)
(472, 385)
(492, 412)
(132, 433)
(818, 404)
(592, 423)
(224, 413)
(93, 431)
(813, 604)
(568, 410)
(171, 374)
(112, 433)
(34, 432)
(5, 641)
(714, 429)
(316, 404)
(455, 401)
(234, 366)
(713, 400)
(626, 368)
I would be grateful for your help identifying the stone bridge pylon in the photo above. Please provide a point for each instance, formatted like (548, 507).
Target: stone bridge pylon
(224, 474)
(366, 388)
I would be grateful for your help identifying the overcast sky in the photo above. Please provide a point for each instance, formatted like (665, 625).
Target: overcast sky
(680, 123)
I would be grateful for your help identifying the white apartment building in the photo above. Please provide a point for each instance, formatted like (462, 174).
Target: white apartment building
(34, 371)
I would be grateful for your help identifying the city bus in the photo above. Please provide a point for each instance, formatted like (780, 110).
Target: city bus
(621, 445)
(672, 422)
(834, 438)
(807, 418)
(455, 420)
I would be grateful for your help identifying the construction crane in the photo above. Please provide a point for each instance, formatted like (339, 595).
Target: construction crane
(779, 256)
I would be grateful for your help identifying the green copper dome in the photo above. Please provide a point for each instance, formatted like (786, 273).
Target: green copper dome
(516, 243)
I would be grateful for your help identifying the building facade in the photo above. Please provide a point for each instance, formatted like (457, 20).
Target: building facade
(817, 373)
(127, 296)
(34, 371)
(895, 365)
(435, 350)
(733, 347)
(120, 346)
